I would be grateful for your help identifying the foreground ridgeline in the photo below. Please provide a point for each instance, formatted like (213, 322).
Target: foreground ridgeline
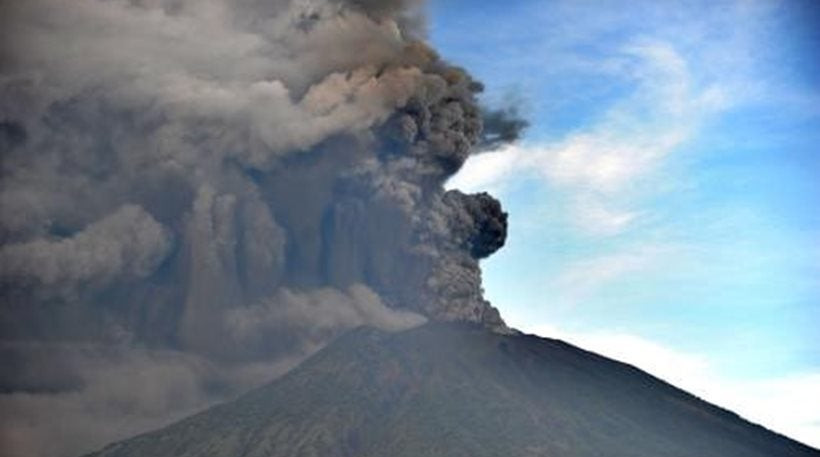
(460, 390)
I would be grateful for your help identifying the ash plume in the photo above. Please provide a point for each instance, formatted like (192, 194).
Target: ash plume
(196, 195)
(502, 126)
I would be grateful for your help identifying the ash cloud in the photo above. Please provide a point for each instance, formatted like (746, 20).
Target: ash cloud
(502, 126)
(125, 245)
(196, 195)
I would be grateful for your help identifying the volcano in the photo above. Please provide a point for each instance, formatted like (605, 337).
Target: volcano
(461, 390)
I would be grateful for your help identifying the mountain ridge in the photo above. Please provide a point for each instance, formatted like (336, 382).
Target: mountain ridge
(459, 390)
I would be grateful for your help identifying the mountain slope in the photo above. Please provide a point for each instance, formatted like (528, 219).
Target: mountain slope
(457, 390)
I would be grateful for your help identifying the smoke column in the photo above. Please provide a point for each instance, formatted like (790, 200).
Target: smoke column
(196, 195)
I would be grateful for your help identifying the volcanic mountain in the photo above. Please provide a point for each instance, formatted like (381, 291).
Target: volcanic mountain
(460, 390)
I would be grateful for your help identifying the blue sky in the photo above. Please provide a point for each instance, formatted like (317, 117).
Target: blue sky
(664, 203)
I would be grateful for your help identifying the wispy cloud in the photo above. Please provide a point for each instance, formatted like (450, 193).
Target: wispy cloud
(584, 277)
(598, 166)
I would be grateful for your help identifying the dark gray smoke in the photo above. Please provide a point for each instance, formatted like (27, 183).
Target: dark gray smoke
(196, 194)
(501, 126)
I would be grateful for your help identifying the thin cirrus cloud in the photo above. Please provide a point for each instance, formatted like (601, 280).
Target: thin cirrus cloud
(585, 277)
(598, 168)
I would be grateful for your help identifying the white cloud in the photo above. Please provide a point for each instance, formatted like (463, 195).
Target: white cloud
(598, 166)
(601, 218)
(788, 404)
(582, 278)
(490, 170)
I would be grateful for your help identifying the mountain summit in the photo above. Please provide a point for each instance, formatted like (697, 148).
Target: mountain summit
(459, 390)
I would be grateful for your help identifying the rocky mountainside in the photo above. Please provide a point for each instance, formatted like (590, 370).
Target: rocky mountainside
(459, 390)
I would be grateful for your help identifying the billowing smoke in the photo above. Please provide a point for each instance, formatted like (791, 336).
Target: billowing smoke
(197, 194)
